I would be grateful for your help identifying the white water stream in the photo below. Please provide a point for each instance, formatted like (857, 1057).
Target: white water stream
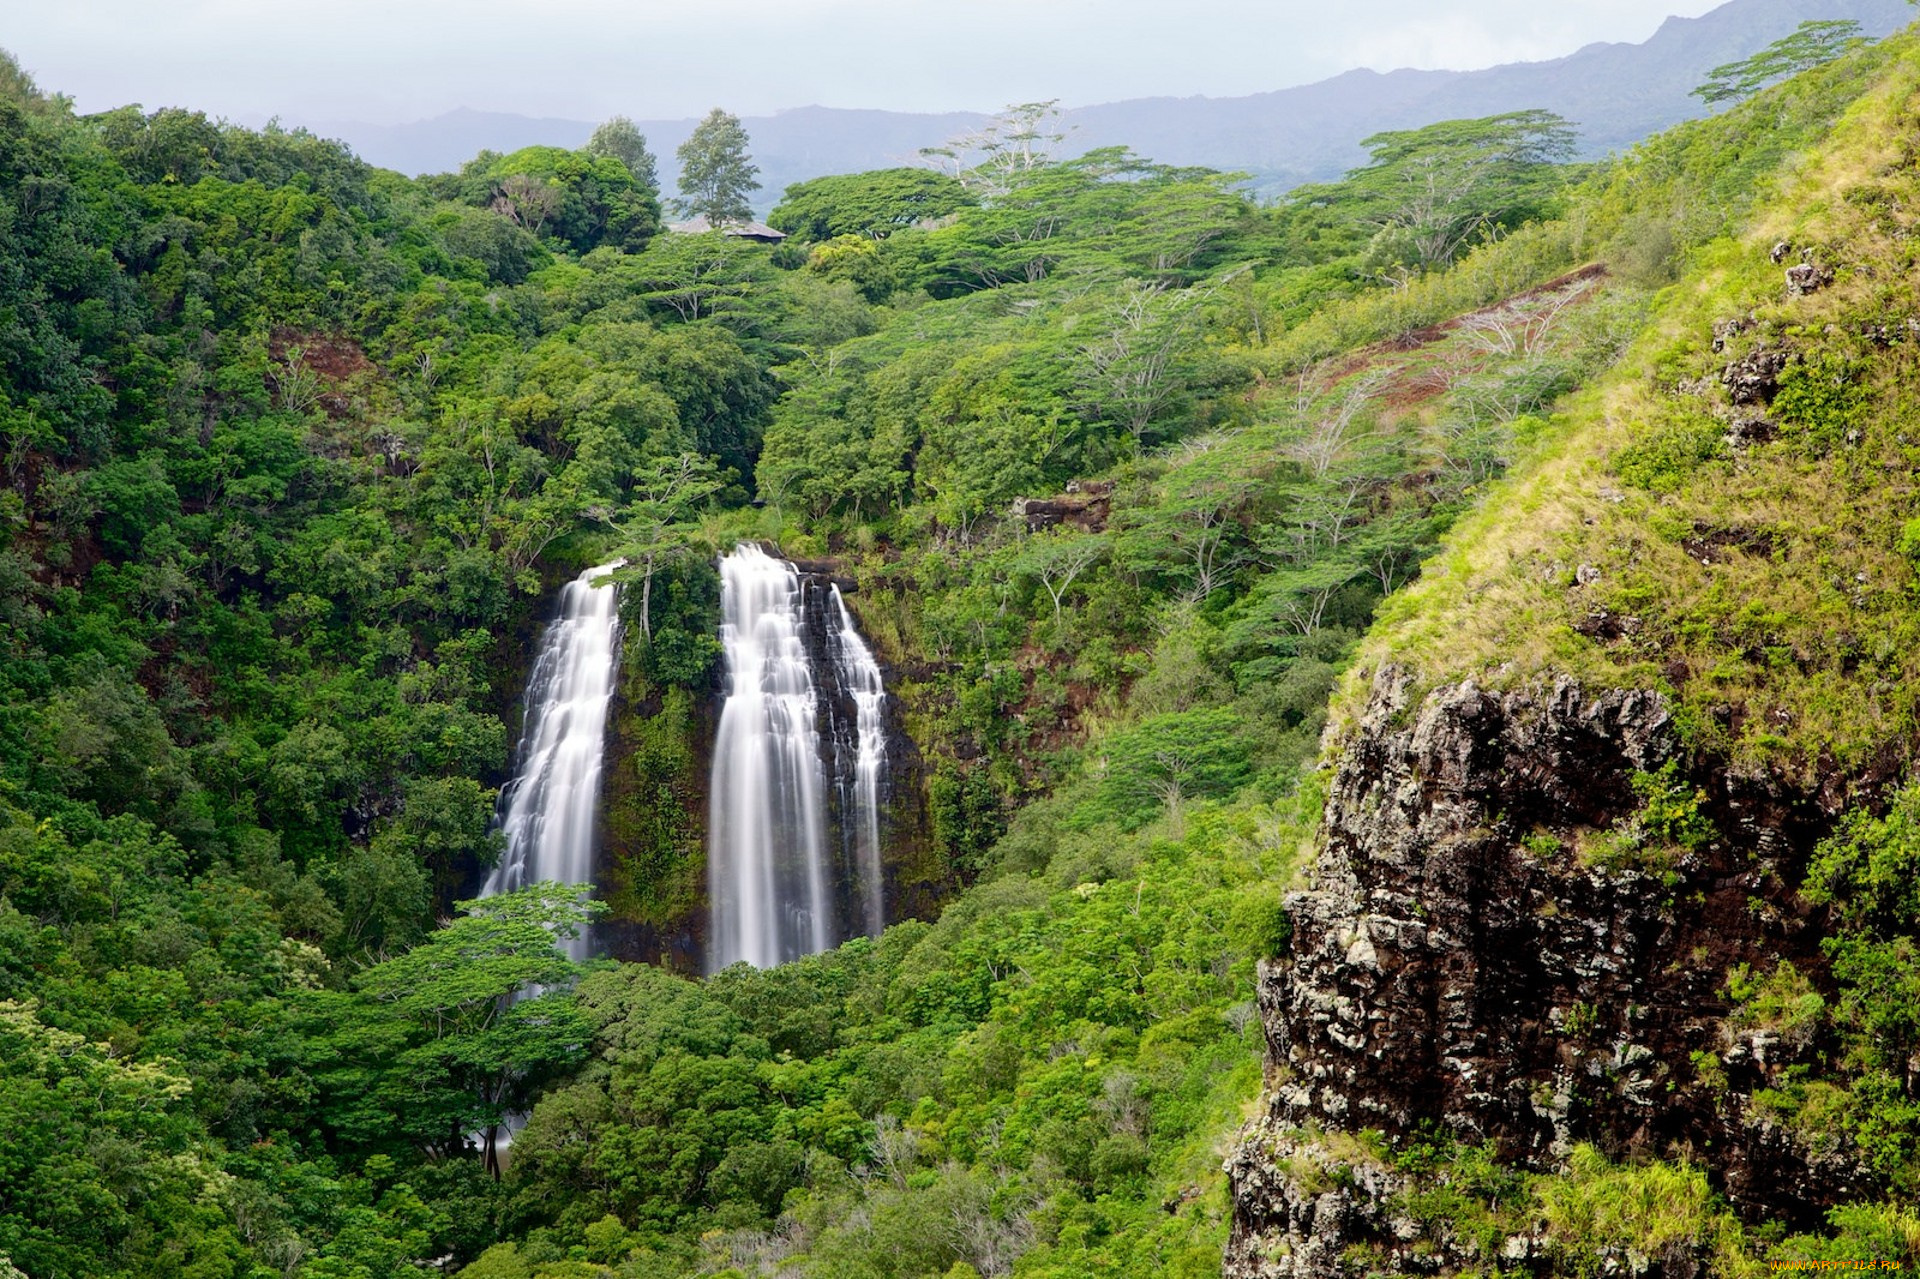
(772, 883)
(547, 812)
(860, 806)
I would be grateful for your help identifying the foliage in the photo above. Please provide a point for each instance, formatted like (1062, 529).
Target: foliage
(1682, 531)
(1634, 1214)
(621, 139)
(991, 1040)
(583, 199)
(1869, 869)
(872, 205)
(1810, 44)
(290, 448)
(1718, 587)
(432, 1045)
(1169, 760)
(1429, 193)
(716, 175)
(1006, 149)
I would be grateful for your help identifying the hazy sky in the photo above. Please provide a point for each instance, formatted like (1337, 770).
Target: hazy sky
(393, 60)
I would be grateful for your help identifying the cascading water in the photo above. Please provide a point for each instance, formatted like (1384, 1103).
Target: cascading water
(547, 810)
(860, 792)
(768, 818)
(777, 891)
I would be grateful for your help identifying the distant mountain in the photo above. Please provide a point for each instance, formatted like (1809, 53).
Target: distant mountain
(1616, 93)
(789, 146)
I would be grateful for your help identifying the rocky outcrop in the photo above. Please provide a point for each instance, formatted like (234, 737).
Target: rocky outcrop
(1485, 954)
(1754, 378)
(1085, 506)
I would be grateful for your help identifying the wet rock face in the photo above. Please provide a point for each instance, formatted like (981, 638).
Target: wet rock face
(1458, 964)
(902, 787)
(1432, 967)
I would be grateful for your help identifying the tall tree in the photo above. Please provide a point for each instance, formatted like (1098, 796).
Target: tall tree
(16, 85)
(996, 156)
(716, 173)
(622, 139)
(869, 204)
(1810, 44)
(431, 1046)
(1431, 193)
(654, 524)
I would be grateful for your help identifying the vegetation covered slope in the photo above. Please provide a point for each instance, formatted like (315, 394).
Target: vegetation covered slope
(1721, 524)
(292, 446)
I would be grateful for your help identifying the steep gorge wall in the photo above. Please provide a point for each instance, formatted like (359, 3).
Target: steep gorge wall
(1534, 888)
(904, 841)
(654, 820)
(1466, 966)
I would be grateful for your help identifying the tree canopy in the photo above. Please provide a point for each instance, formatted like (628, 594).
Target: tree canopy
(1812, 43)
(867, 204)
(294, 453)
(1430, 193)
(620, 138)
(717, 176)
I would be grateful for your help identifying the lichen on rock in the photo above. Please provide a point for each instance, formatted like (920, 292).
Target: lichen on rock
(1476, 959)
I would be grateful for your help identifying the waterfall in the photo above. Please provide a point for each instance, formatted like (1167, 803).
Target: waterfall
(768, 865)
(793, 660)
(860, 678)
(547, 811)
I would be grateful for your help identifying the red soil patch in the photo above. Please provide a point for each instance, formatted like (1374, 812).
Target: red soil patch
(338, 363)
(1411, 384)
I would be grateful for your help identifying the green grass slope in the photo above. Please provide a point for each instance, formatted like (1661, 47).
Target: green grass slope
(1731, 518)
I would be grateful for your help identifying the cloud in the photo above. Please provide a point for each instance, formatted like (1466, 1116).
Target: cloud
(403, 59)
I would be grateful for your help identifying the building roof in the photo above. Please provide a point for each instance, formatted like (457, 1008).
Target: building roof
(742, 230)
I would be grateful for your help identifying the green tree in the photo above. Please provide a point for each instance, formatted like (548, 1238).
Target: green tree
(1168, 760)
(15, 84)
(1133, 369)
(1057, 558)
(432, 1045)
(867, 204)
(584, 199)
(1000, 154)
(679, 1087)
(622, 140)
(1429, 193)
(693, 277)
(1812, 43)
(95, 1156)
(716, 173)
(653, 523)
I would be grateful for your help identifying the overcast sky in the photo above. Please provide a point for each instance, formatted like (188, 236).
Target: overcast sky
(388, 61)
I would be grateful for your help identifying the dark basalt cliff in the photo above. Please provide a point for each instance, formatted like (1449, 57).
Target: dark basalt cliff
(1478, 959)
(903, 804)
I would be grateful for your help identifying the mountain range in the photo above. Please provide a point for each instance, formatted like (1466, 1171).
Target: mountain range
(1616, 93)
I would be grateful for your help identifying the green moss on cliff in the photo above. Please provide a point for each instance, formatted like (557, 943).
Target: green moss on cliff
(655, 868)
(1729, 518)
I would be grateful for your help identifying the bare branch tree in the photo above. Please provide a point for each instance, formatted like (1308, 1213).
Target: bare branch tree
(528, 201)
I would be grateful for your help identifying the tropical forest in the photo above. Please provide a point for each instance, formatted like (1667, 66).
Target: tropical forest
(1036, 712)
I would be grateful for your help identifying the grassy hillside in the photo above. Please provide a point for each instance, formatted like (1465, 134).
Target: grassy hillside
(1721, 519)
(1725, 519)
